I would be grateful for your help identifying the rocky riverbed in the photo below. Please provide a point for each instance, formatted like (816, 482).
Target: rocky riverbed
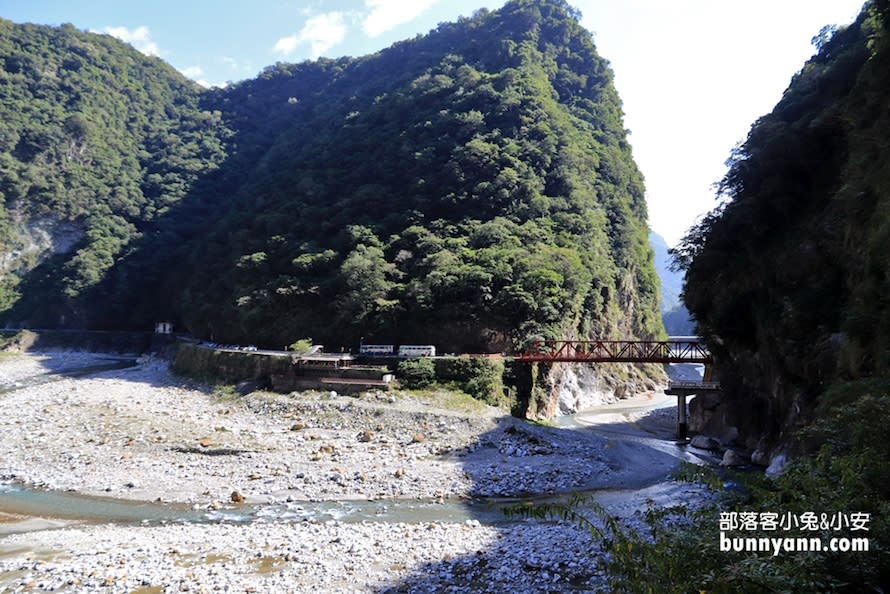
(143, 434)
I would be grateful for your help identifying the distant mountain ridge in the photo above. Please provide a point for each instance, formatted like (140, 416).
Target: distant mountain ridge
(671, 281)
(674, 314)
(472, 187)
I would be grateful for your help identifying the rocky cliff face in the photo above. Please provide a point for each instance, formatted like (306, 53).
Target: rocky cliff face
(674, 314)
(579, 387)
(567, 388)
(33, 240)
(788, 279)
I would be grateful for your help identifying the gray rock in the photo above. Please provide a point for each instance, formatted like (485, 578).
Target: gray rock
(703, 442)
(708, 400)
(760, 457)
(247, 386)
(777, 464)
(733, 458)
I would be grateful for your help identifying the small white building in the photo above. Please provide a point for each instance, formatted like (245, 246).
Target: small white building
(164, 328)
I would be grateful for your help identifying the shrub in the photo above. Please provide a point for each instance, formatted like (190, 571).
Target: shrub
(480, 378)
(848, 474)
(416, 373)
(301, 347)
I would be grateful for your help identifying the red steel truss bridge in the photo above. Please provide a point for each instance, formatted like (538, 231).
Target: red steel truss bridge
(678, 349)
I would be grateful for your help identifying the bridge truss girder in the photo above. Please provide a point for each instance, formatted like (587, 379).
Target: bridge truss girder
(618, 351)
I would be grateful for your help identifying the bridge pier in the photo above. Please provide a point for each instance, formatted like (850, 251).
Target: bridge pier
(681, 417)
(682, 390)
(682, 421)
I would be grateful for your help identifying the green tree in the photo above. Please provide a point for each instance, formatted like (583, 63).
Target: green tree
(416, 373)
(366, 278)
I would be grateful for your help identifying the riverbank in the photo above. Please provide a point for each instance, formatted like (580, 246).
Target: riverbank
(143, 434)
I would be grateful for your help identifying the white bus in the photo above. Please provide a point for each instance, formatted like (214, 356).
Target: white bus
(417, 350)
(377, 350)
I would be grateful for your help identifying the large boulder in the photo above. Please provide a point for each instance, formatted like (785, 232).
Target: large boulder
(703, 442)
(733, 458)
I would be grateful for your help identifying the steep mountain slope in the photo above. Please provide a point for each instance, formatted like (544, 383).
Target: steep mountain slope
(472, 188)
(96, 141)
(670, 281)
(788, 280)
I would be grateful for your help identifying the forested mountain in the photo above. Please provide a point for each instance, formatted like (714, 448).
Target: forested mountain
(97, 141)
(789, 279)
(471, 188)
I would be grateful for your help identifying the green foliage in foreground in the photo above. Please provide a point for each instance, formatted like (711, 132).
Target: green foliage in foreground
(850, 473)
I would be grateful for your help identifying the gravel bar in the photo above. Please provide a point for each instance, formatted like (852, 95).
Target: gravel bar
(143, 434)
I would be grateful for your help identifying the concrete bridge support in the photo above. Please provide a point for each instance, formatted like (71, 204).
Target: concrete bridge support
(682, 426)
(682, 390)
(682, 422)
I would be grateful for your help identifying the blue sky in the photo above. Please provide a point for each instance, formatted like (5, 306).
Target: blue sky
(693, 74)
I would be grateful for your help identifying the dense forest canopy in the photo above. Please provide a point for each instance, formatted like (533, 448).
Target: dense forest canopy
(788, 279)
(96, 142)
(473, 187)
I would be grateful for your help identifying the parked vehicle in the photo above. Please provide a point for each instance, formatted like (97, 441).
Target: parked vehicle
(377, 350)
(417, 350)
(405, 350)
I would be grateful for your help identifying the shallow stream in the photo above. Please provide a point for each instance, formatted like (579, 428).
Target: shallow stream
(27, 508)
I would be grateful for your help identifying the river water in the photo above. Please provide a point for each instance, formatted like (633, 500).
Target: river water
(95, 365)
(35, 509)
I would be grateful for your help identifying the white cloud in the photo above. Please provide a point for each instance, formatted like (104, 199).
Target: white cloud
(320, 32)
(195, 73)
(286, 45)
(234, 66)
(192, 72)
(387, 14)
(138, 38)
